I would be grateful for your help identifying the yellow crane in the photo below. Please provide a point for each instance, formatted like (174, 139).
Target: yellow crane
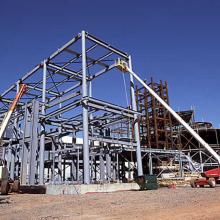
(7, 117)
(4, 180)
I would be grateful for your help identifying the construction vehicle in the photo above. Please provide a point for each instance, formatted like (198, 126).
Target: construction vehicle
(208, 178)
(5, 183)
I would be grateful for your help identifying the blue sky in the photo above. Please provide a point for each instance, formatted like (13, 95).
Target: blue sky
(178, 41)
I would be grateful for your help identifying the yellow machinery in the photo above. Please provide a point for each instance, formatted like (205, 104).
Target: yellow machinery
(4, 174)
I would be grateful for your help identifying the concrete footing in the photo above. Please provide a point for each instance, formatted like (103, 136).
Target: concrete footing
(90, 188)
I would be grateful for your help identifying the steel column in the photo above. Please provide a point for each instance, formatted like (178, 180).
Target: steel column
(60, 153)
(42, 137)
(136, 129)
(86, 178)
(12, 161)
(59, 165)
(108, 167)
(34, 143)
(53, 163)
(181, 165)
(24, 155)
(150, 164)
(114, 176)
(77, 166)
(101, 166)
(73, 170)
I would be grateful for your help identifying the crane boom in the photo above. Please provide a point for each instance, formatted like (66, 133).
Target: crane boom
(7, 117)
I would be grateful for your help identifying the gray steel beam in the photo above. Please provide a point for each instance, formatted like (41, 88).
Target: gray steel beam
(59, 166)
(77, 165)
(10, 101)
(8, 155)
(56, 53)
(67, 126)
(92, 100)
(86, 172)
(105, 45)
(129, 170)
(43, 130)
(73, 170)
(98, 60)
(40, 90)
(34, 143)
(94, 61)
(101, 166)
(109, 109)
(12, 161)
(91, 167)
(92, 133)
(24, 155)
(181, 165)
(60, 68)
(113, 141)
(136, 127)
(77, 57)
(53, 163)
(56, 71)
(150, 164)
(101, 72)
(108, 167)
(63, 109)
(116, 121)
(63, 99)
(67, 91)
(114, 167)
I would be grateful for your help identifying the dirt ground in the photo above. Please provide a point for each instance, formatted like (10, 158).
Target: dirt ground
(166, 204)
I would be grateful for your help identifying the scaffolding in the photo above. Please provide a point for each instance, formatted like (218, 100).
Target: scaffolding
(155, 122)
(160, 130)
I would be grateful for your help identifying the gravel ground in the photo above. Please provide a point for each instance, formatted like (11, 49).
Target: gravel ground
(166, 204)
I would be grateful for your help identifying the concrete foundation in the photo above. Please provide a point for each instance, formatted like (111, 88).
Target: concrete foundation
(90, 188)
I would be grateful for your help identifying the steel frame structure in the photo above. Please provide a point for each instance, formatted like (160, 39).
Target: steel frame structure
(103, 138)
(59, 103)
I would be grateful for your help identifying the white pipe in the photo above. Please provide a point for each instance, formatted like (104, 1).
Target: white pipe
(176, 116)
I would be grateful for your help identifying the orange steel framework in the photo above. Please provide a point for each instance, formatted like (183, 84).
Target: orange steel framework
(159, 130)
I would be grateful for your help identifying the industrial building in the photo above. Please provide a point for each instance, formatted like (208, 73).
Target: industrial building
(60, 133)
